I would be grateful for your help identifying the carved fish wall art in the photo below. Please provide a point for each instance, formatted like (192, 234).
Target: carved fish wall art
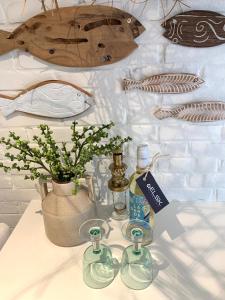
(207, 111)
(165, 83)
(53, 99)
(78, 36)
(196, 28)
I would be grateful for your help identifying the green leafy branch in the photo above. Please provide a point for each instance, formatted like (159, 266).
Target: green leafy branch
(60, 162)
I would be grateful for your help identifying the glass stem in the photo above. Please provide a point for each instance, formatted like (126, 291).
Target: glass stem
(137, 247)
(96, 246)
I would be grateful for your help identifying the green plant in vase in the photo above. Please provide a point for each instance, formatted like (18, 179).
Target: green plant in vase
(65, 165)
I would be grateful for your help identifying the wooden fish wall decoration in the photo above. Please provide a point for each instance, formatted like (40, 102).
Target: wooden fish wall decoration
(196, 28)
(208, 111)
(165, 83)
(78, 36)
(52, 98)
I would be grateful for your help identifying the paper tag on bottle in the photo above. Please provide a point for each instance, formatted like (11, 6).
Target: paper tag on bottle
(152, 192)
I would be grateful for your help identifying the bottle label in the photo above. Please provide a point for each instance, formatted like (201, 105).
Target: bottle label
(139, 208)
(154, 195)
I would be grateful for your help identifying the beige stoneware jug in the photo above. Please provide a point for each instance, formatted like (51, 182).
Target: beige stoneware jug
(64, 212)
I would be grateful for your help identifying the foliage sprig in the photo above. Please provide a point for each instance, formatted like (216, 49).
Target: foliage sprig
(61, 163)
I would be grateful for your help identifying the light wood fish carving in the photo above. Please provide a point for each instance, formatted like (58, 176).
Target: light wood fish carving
(174, 83)
(196, 28)
(78, 36)
(52, 98)
(207, 111)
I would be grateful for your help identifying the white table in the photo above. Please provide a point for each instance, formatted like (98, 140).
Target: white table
(189, 254)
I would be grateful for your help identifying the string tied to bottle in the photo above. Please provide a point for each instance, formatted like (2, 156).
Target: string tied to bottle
(155, 158)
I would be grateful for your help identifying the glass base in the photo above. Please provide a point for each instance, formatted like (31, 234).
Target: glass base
(119, 217)
(136, 268)
(98, 271)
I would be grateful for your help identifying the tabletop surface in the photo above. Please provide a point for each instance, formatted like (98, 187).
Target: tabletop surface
(188, 252)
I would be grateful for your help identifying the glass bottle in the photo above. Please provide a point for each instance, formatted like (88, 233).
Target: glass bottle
(118, 185)
(139, 207)
(98, 267)
(136, 265)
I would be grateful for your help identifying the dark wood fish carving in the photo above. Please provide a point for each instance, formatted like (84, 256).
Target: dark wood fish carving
(196, 28)
(78, 36)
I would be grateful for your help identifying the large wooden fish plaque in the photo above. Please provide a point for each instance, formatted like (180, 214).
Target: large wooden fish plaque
(197, 28)
(207, 111)
(52, 99)
(78, 36)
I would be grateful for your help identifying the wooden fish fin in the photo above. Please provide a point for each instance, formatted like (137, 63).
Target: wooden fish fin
(6, 44)
(37, 85)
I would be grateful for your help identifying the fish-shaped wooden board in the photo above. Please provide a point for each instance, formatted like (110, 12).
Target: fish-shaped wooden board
(78, 36)
(174, 83)
(207, 111)
(52, 98)
(196, 28)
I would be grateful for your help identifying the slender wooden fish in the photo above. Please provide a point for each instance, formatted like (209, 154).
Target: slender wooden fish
(207, 111)
(78, 36)
(165, 83)
(52, 98)
(196, 28)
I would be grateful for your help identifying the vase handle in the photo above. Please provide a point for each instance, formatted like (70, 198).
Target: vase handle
(43, 188)
(90, 184)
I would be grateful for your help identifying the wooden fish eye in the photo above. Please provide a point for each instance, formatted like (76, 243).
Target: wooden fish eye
(129, 20)
(101, 45)
(106, 58)
(19, 42)
(51, 51)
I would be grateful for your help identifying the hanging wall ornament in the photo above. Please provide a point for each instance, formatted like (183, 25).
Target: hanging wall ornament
(78, 36)
(53, 99)
(196, 28)
(208, 111)
(174, 83)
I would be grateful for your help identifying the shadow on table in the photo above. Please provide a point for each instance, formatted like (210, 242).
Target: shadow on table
(175, 258)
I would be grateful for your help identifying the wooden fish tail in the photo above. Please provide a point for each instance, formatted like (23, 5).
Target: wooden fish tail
(164, 113)
(129, 84)
(6, 44)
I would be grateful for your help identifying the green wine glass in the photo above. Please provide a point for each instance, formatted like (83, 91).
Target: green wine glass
(98, 268)
(137, 265)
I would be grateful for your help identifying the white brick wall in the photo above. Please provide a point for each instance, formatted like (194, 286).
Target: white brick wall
(195, 169)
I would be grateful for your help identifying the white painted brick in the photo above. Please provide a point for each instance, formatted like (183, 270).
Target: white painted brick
(173, 133)
(18, 131)
(10, 219)
(9, 207)
(188, 194)
(207, 181)
(196, 180)
(180, 54)
(170, 180)
(5, 182)
(185, 165)
(174, 148)
(222, 166)
(60, 134)
(23, 206)
(206, 165)
(220, 194)
(18, 195)
(190, 132)
(176, 165)
(207, 149)
(19, 182)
